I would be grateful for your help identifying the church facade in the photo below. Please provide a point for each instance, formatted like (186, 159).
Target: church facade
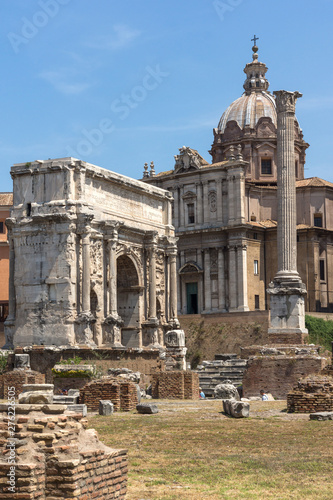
(225, 212)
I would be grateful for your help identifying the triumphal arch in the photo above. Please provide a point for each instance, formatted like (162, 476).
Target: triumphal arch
(92, 256)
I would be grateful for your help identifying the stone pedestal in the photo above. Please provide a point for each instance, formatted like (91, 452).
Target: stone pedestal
(287, 313)
(175, 350)
(112, 330)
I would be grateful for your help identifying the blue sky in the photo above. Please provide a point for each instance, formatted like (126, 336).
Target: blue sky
(119, 84)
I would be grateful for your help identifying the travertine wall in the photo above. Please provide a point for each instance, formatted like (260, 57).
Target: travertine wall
(92, 255)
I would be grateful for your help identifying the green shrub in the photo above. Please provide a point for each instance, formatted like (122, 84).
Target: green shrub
(320, 331)
(3, 362)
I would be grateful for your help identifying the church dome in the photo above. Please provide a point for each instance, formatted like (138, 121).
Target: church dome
(256, 102)
(248, 109)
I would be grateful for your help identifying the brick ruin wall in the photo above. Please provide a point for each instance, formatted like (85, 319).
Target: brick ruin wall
(123, 395)
(43, 359)
(312, 394)
(17, 378)
(57, 458)
(175, 385)
(278, 374)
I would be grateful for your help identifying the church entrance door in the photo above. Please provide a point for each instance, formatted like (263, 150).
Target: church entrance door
(192, 298)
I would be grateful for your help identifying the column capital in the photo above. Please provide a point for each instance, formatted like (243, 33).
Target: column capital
(286, 101)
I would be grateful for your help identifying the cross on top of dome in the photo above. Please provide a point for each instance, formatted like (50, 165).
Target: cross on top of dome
(255, 72)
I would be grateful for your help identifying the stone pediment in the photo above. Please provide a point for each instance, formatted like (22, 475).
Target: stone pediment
(265, 127)
(232, 131)
(190, 268)
(188, 160)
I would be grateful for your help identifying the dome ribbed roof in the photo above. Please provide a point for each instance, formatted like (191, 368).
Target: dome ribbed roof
(247, 110)
(256, 102)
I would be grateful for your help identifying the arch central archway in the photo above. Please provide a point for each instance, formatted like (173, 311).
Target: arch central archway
(128, 300)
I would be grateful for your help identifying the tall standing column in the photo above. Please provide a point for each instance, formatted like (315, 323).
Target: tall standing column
(206, 211)
(286, 183)
(287, 318)
(232, 279)
(173, 288)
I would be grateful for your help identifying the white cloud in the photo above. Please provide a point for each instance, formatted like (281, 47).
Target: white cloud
(121, 37)
(63, 80)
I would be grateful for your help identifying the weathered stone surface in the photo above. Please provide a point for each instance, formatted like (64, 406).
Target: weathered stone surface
(125, 373)
(36, 394)
(105, 407)
(226, 391)
(323, 415)
(236, 409)
(81, 408)
(147, 408)
(35, 397)
(21, 361)
(101, 234)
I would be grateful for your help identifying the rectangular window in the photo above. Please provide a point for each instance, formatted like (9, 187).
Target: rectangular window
(190, 211)
(322, 269)
(296, 169)
(256, 267)
(318, 220)
(255, 236)
(2, 227)
(256, 302)
(266, 166)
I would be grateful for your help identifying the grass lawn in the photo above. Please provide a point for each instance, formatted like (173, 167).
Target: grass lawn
(190, 450)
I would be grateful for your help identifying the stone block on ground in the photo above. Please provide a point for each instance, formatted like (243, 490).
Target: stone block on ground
(78, 409)
(147, 408)
(226, 391)
(236, 409)
(36, 394)
(105, 407)
(323, 415)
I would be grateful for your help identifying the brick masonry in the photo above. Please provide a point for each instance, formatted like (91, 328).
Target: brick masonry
(17, 378)
(123, 395)
(175, 385)
(312, 394)
(43, 359)
(56, 457)
(278, 374)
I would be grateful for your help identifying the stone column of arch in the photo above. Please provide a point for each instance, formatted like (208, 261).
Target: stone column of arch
(113, 321)
(10, 320)
(152, 283)
(85, 320)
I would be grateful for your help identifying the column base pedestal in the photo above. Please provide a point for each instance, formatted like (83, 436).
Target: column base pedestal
(287, 312)
(9, 333)
(112, 331)
(83, 329)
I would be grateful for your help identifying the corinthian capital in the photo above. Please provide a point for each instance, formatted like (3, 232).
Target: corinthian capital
(285, 100)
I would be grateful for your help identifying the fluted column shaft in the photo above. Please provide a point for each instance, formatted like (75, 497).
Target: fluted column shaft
(113, 306)
(152, 283)
(286, 183)
(86, 271)
(12, 298)
(173, 284)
